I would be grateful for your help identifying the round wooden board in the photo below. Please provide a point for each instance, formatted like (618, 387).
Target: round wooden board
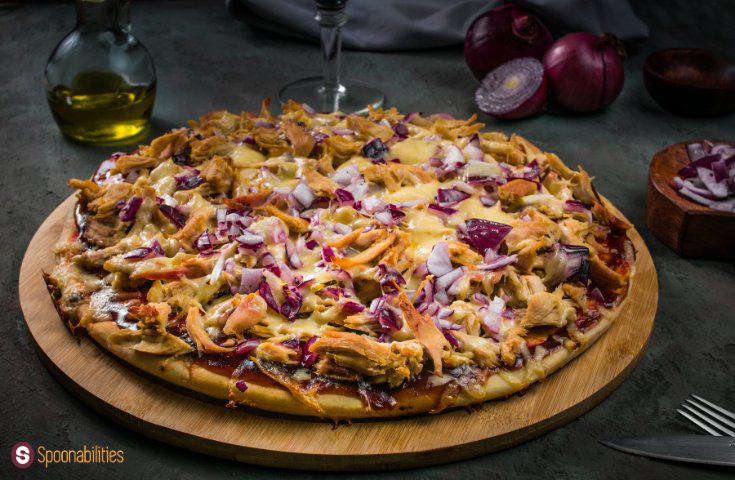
(167, 414)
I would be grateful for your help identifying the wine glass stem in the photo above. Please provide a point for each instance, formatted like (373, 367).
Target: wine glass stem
(331, 21)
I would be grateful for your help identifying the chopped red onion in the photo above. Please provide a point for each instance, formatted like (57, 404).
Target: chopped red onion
(342, 131)
(251, 240)
(130, 209)
(484, 234)
(439, 262)
(241, 385)
(499, 262)
(351, 307)
(448, 197)
(344, 197)
(347, 175)
(245, 347)
(174, 214)
(308, 358)
(374, 149)
(443, 212)
(303, 194)
(204, 243)
(250, 280)
(487, 201)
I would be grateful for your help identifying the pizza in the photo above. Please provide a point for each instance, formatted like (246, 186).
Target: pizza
(341, 266)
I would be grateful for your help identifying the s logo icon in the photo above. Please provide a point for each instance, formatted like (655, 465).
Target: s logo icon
(22, 455)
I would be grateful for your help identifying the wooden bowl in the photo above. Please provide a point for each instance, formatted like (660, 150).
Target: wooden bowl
(690, 229)
(690, 82)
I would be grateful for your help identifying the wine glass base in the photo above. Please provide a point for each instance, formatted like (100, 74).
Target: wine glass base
(353, 96)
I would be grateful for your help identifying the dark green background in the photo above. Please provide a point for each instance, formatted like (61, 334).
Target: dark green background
(207, 61)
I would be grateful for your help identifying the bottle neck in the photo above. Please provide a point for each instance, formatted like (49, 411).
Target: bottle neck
(103, 14)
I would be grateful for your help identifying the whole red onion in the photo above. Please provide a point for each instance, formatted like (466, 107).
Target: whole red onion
(585, 71)
(503, 34)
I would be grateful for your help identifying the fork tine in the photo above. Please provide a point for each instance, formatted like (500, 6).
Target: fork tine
(716, 407)
(708, 420)
(713, 413)
(701, 425)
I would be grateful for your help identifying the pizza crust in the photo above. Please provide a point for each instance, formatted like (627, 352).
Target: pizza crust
(184, 373)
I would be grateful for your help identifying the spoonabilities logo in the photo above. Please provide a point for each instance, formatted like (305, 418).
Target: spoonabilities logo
(22, 455)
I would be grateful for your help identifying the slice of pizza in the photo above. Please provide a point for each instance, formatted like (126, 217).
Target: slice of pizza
(342, 266)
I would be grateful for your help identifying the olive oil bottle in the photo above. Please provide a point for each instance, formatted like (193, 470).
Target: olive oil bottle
(100, 80)
(100, 107)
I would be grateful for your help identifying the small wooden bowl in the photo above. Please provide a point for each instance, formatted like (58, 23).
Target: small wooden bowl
(690, 82)
(690, 229)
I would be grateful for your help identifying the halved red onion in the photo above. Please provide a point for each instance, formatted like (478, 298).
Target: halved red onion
(516, 89)
(439, 262)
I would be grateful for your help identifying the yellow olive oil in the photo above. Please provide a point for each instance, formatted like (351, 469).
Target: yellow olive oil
(101, 107)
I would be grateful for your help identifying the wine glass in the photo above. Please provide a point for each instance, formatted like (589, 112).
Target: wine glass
(330, 92)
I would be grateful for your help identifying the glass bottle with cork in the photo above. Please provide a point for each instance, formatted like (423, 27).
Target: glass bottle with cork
(100, 80)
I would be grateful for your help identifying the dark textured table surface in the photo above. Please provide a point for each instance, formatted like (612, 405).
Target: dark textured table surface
(207, 61)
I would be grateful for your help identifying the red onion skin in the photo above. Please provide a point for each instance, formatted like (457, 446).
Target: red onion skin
(585, 71)
(503, 34)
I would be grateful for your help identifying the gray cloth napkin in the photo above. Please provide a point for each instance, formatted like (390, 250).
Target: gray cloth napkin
(417, 24)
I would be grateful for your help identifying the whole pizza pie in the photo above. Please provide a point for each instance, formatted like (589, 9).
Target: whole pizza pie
(342, 266)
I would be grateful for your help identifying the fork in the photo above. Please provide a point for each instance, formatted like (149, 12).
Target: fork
(712, 418)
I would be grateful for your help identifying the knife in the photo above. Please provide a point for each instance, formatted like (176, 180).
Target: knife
(683, 448)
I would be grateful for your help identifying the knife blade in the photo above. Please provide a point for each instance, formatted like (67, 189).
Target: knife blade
(683, 448)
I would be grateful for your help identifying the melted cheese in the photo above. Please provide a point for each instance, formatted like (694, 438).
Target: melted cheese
(413, 151)
(243, 156)
(426, 230)
(425, 192)
(473, 208)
